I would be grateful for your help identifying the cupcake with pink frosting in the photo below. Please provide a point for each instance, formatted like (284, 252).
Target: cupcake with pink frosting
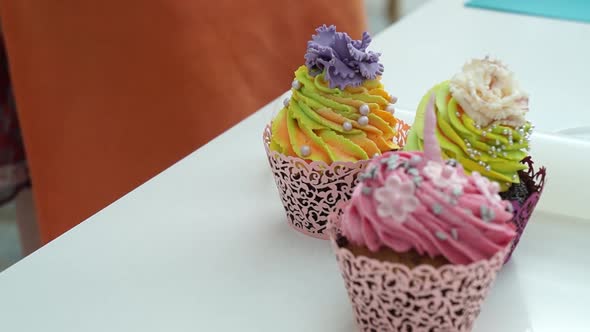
(420, 242)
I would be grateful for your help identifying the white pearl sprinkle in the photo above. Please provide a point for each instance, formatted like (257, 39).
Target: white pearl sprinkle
(363, 120)
(514, 177)
(286, 102)
(484, 133)
(497, 142)
(505, 131)
(393, 99)
(305, 150)
(458, 114)
(472, 156)
(468, 144)
(478, 126)
(364, 109)
(390, 108)
(296, 85)
(376, 155)
(505, 154)
(520, 142)
(347, 126)
(488, 168)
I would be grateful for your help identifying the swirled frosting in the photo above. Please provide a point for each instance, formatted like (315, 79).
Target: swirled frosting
(410, 200)
(480, 115)
(338, 109)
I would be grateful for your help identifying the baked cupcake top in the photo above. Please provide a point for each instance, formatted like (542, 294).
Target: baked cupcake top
(481, 121)
(338, 109)
(415, 200)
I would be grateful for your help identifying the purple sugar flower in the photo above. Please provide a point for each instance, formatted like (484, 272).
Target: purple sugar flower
(345, 62)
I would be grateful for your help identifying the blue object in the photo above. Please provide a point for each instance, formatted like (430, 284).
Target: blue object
(575, 10)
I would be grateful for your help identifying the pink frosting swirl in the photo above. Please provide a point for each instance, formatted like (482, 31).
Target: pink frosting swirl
(406, 201)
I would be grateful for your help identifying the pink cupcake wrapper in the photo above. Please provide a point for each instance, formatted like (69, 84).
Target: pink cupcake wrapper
(522, 213)
(389, 296)
(310, 190)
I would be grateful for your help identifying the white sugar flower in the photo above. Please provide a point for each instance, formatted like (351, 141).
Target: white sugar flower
(396, 198)
(488, 93)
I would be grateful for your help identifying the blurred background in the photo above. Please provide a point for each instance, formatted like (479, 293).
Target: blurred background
(381, 13)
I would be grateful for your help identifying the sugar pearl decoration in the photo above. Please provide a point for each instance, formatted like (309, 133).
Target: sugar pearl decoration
(393, 99)
(390, 108)
(347, 126)
(296, 85)
(364, 109)
(286, 102)
(363, 120)
(376, 155)
(305, 150)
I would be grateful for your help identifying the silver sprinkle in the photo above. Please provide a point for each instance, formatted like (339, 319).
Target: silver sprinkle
(440, 235)
(437, 208)
(455, 233)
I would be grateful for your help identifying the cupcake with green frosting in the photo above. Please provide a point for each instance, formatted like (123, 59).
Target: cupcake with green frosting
(338, 117)
(481, 123)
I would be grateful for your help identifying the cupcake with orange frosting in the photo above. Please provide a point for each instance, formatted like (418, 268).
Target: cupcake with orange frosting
(481, 123)
(338, 117)
(420, 241)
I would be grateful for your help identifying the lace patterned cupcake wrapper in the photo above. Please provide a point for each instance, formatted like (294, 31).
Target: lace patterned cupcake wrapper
(522, 212)
(309, 191)
(389, 296)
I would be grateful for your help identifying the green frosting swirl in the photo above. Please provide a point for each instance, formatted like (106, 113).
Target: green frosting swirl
(495, 151)
(323, 123)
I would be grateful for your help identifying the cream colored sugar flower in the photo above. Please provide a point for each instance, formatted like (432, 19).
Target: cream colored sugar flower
(488, 93)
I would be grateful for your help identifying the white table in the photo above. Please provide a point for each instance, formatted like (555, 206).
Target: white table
(204, 246)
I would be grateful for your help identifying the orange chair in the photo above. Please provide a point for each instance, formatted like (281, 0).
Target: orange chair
(111, 92)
